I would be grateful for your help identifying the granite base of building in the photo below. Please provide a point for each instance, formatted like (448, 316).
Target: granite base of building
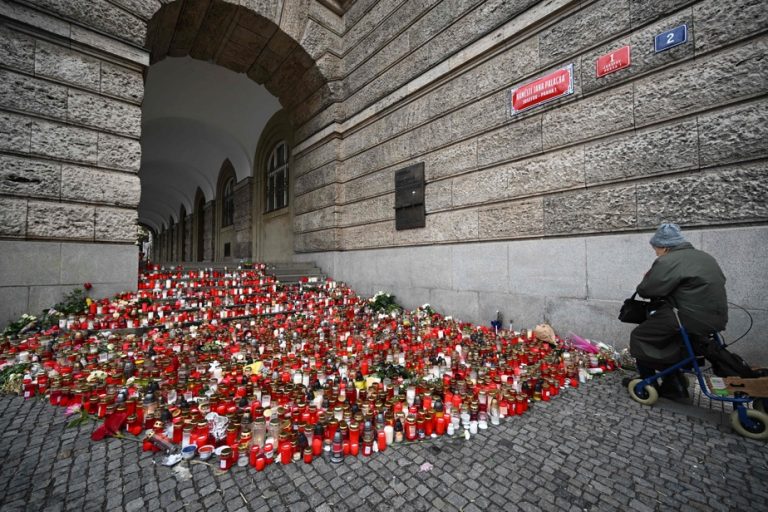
(36, 275)
(576, 284)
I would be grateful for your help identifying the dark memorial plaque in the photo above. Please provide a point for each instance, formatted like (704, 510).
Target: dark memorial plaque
(410, 211)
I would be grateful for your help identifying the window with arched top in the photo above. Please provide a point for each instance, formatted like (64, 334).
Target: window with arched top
(277, 177)
(228, 203)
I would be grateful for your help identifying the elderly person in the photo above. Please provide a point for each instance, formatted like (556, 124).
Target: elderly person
(685, 278)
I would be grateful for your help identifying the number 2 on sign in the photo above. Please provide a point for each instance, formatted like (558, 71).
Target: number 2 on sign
(671, 38)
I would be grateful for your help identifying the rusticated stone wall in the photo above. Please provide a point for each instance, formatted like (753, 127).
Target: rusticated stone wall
(70, 122)
(688, 123)
(681, 135)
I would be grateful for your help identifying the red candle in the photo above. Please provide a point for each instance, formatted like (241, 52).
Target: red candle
(261, 462)
(382, 440)
(286, 453)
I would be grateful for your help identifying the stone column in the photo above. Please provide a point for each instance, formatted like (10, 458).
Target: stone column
(243, 219)
(209, 213)
(70, 122)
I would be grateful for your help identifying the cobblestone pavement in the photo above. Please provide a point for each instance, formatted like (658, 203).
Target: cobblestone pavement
(588, 449)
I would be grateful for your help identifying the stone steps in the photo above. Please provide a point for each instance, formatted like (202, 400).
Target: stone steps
(292, 272)
(288, 272)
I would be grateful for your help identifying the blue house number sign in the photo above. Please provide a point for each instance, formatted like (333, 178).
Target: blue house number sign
(671, 38)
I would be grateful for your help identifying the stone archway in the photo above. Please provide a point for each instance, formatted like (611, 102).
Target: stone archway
(274, 43)
(274, 46)
(85, 61)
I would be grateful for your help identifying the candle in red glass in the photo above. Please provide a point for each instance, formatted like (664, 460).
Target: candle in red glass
(440, 425)
(286, 453)
(381, 440)
(261, 462)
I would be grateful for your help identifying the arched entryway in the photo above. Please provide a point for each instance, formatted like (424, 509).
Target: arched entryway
(219, 72)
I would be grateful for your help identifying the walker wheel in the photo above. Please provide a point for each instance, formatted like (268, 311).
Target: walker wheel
(757, 430)
(646, 397)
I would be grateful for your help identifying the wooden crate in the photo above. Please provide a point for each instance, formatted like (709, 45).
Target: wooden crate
(756, 388)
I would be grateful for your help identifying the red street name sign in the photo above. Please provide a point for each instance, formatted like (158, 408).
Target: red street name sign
(614, 61)
(546, 88)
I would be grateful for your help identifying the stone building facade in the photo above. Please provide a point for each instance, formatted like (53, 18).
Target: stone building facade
(543, 213)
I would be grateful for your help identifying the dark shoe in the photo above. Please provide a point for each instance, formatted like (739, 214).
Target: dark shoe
(674, 386)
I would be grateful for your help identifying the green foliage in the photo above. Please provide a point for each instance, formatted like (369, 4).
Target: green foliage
(384, 303)
(25, 322)
(393, 371)
(73, 303)
(9, 383)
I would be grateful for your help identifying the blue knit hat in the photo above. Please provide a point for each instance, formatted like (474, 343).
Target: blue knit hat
(668, 235)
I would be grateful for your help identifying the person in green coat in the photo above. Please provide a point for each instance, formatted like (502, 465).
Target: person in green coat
(685, 278)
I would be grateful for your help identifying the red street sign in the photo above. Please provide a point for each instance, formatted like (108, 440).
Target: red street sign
(546, 88)
(614, 61)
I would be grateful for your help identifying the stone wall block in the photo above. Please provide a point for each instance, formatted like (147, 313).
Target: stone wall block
(60, 221)
(453, 226)
(428, 136)
(63, 141)
(116, 224)
(438, 195)
(363, 17)
(512, 220)
(21, 92)
(480, 115)
(318, 40)
(380, 234)
(480, 186)
(436, 19)
(450, 160)
(94, 185)
(371, 210)
(316, 199)
(726, 76)
(518, 138)
(25, 177)
(316, 158)
(516, 62)
(590, 211)
(735, 134)
(17, 50)
(62, 64)
(368, 70)
(379, 182)
(106, 113)
(122, 82)
(102, 15)
(558, 170)
(596, 115)
(318, 219)
(643, 52)
(119, 152)
(315, 179)
(141, 8)
(586, 27)
(719, 23)
(325, 240)
(13, 217)
(644, 11)
(15, 132)
(721, 195)
(643, 153)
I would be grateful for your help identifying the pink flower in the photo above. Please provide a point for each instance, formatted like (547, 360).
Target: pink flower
(87, 286)
(72, 409)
